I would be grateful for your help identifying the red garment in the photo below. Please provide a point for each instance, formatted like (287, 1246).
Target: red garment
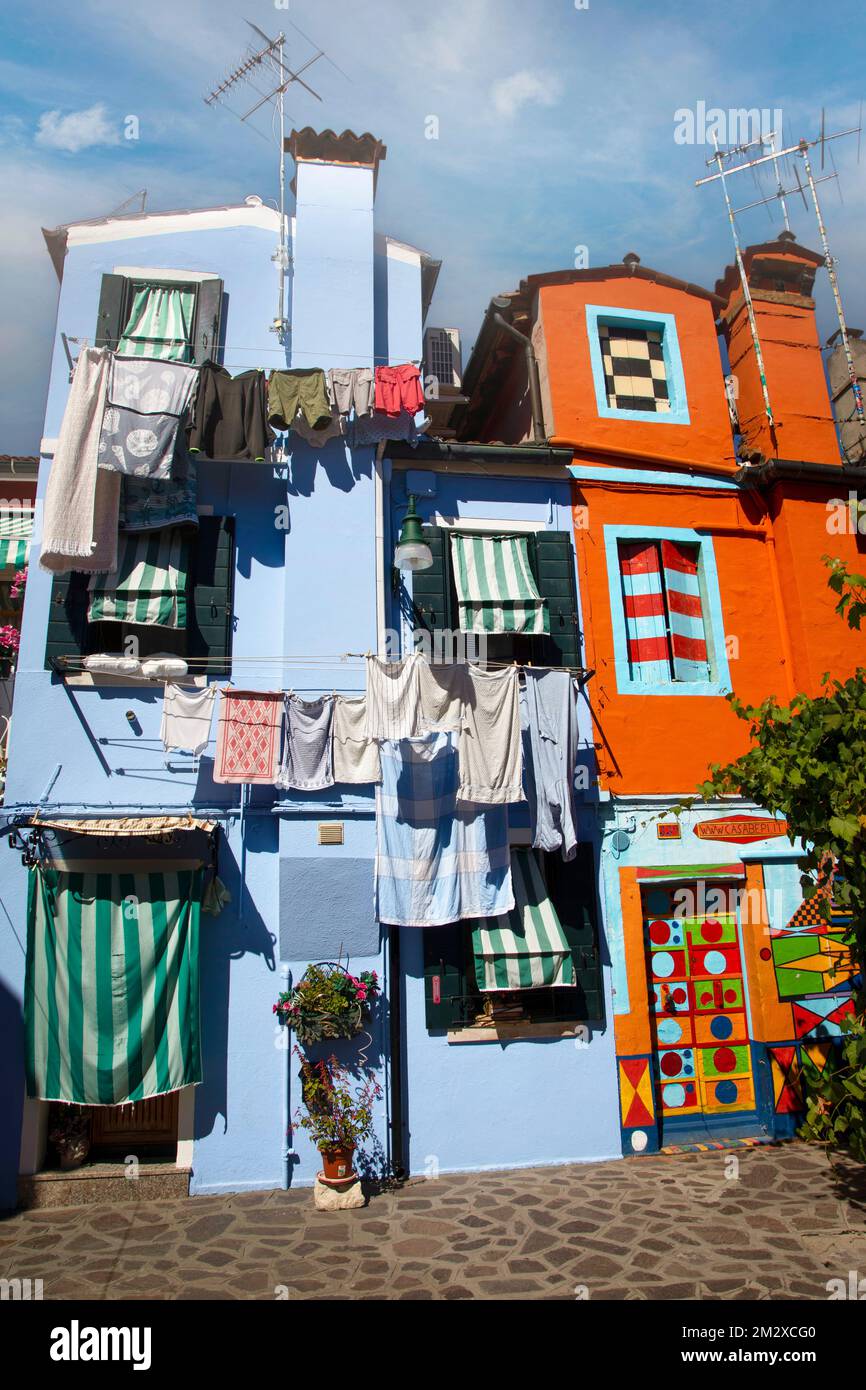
(399, 388)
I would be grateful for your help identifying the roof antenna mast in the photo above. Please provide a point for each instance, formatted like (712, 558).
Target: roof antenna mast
(271, 60)
(801, 148)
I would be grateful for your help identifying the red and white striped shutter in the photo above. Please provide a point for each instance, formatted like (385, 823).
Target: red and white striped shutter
(643, 599)
(688, 633)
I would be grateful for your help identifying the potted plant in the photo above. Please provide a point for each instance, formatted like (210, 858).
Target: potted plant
(338, 1116)
(16, 588)
(70, 1134)
(328, 1003)
(10, 640)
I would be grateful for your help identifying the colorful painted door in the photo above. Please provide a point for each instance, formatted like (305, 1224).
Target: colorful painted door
(702, 1056)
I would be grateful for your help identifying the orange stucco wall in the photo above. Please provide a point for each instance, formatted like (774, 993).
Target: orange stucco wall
(707, 438)
(804, 427)
(778, 618)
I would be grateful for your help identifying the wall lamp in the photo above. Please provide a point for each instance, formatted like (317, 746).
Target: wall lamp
(413, 552)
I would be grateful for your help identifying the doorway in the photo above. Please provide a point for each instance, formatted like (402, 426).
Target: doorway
(702, 1058)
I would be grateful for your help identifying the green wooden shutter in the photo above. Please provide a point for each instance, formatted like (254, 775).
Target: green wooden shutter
(554, 574)
(210, 614)
(67, 618)
(572, 888)
(431, 588)
(112, 311)
(210, 620)
(445, 981)
(208, 316)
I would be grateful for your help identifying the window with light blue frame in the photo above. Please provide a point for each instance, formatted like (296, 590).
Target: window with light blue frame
(637, 369)
(666, 610)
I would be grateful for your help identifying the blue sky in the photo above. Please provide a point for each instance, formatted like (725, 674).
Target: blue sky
(556, 130)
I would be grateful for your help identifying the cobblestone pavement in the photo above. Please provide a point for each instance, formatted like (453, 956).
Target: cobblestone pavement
(648, 1228)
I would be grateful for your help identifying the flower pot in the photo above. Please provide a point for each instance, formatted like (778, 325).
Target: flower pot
(337, 1164)
(319, 1027)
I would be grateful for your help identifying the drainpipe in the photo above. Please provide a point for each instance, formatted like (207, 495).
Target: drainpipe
(538, 433)
(288, 1143)
(395, 1053)
(383, 569)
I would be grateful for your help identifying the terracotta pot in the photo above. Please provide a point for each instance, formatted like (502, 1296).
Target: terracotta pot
(337, 1164)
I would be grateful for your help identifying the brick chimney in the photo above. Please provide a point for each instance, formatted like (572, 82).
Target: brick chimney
(781, 275)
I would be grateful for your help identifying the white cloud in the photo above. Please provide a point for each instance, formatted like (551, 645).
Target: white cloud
(510, 93)
(79, 130)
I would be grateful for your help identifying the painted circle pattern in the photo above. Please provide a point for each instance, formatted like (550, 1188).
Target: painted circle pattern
(663, 964)
(715, 962)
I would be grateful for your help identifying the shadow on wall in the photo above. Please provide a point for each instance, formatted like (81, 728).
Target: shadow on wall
(11, 1088)
(343, 467)
(239, 930)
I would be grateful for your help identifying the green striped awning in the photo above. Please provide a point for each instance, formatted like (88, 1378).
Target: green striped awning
(16, 529)
(496, 589)
(149, 584)
(160, 323)
(111, 994)
(527, 948)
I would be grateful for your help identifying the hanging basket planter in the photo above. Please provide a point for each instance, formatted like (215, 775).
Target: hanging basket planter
(327, 1003)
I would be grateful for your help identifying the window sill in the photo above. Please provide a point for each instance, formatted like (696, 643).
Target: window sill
(625, 686)
(518, 1032)
(98, 678)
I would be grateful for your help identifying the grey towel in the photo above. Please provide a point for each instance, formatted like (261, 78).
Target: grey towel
(548, 713)
(307, 761)
(82, 501)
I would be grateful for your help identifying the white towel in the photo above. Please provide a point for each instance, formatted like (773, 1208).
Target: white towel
(491, 752)
(356, 757)
(444, 695)
(186, 718)
(82, 501)
(393, 698)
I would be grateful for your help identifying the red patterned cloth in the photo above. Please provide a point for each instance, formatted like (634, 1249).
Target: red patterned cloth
(248, 736)
(399, 389)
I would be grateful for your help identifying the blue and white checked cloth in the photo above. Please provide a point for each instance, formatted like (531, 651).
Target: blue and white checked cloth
(437, 860)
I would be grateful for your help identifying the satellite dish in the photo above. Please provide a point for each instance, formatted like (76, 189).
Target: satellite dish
(620, 841)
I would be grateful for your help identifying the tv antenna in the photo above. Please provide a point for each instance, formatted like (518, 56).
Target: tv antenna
(801, 148)
(271, 61)
(140, 197)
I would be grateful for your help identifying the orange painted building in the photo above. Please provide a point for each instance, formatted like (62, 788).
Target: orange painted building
(700, 521)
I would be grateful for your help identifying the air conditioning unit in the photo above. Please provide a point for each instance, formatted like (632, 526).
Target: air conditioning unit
(442, 355)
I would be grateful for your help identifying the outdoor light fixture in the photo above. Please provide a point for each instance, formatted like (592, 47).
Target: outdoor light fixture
(413, 552)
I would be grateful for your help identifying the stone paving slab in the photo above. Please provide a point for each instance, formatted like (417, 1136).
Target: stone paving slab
(770, 1223)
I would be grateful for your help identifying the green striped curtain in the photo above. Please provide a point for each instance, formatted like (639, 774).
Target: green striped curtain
(111, 1007)
(16, 528)
(149, 584)
(160, 323)
(527, 948)
(496, 589)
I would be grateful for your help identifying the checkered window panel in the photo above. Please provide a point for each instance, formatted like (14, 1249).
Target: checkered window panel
(634, 368)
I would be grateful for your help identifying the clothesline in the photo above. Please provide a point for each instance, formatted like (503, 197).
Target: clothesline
(361, 360)
(353, 662)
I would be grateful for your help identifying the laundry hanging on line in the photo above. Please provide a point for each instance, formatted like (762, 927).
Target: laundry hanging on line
(145, 408)
(82, 501)
(298, 390)
(230, 415)
(437, 860)
(186, 719)
(249, 728)
(548, 717)
(307, 763)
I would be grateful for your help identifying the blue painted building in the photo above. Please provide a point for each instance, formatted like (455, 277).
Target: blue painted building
(309, 588)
